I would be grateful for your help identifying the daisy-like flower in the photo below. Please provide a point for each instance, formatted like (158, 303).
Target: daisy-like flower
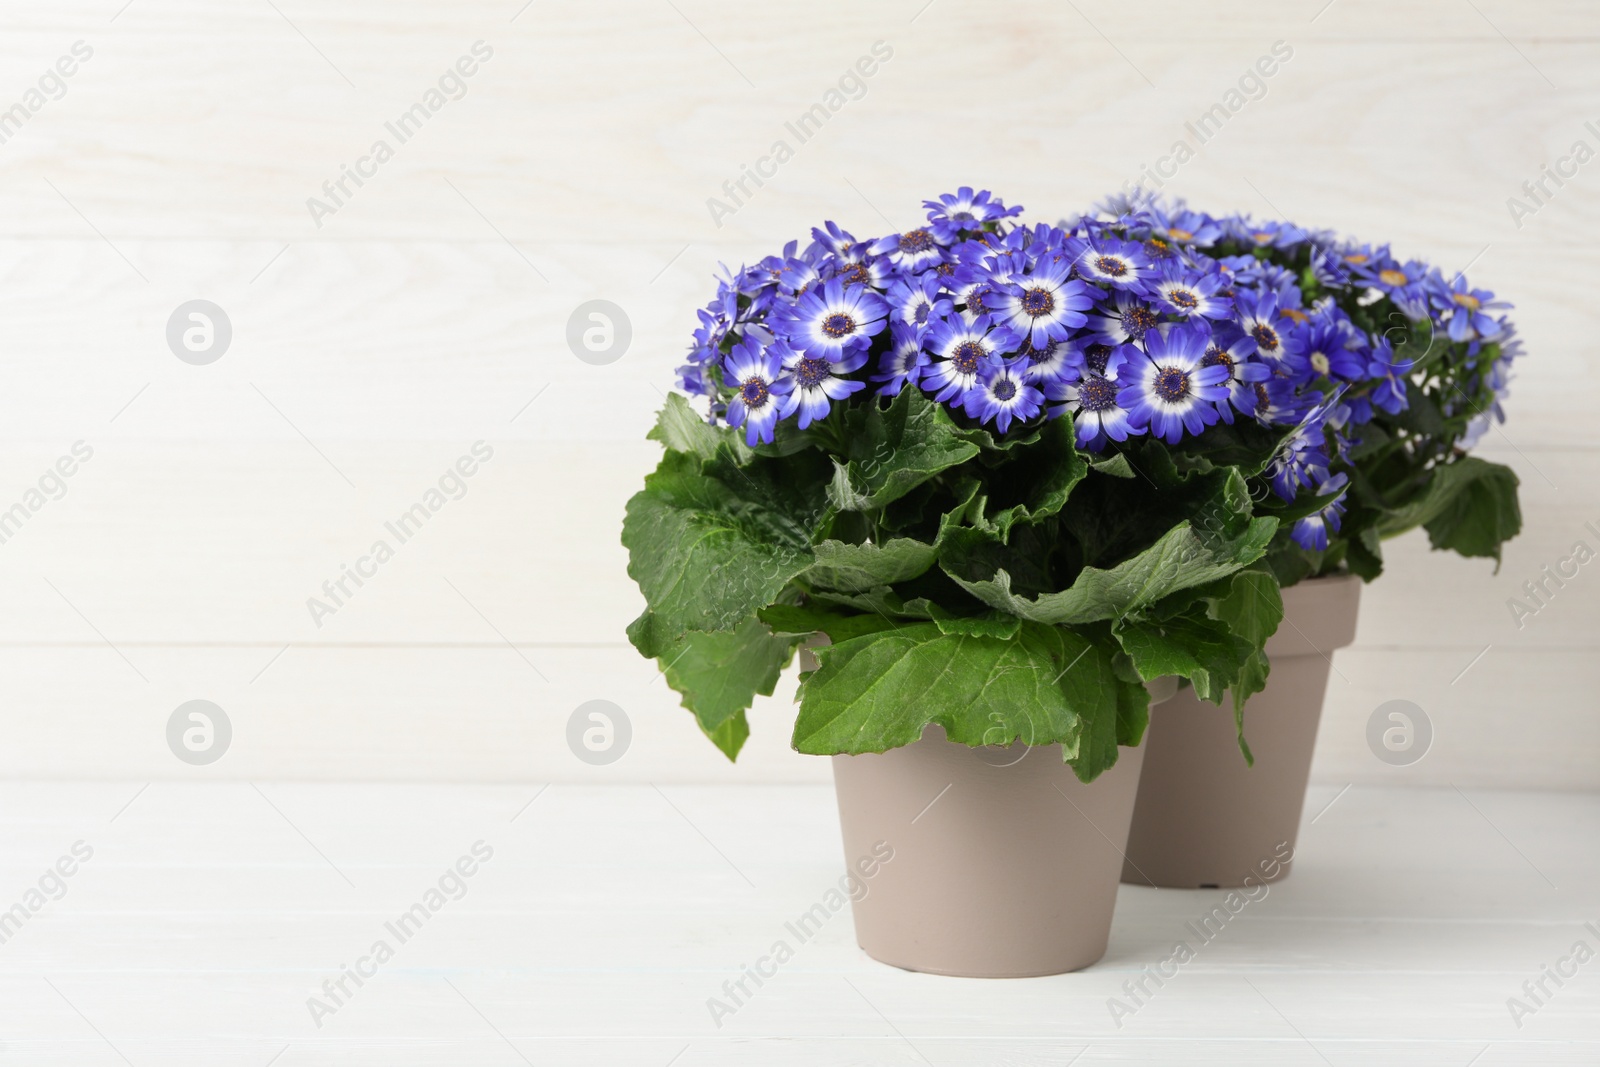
(1311, 532)
(1043, 306)
(1190, 228)
(818, 381)
(839, 317)
(1243, 373)
(1119, 264)
(1128, 319)
(1272, 331)
(964, 210)
(1327, 354)
(833, 239)
(1093, 399)
(919, 301)
(1052, 362)
(914, 250)
(1464, 306)
(1002, 396)
(757, 375)
(902, 365)
(1169, 388)
(963, 348)
(1184, 293)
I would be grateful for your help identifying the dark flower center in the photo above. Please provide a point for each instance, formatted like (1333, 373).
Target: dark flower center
(1157, 248)
(1038, 302)
(963, 216)
(1216, 357)
(1004, 389)
(1110, 265)
(754, 392)
(812, 372)
(1096, 356)
(855, 274)
(921, 314)
(1172, 384)
(1097, 394)
(1266, 337)
(1183, 298)
(1138, 322)
(1263, 400)
(1039, 355)
(967, 356)
(916, 241)
(838, 325)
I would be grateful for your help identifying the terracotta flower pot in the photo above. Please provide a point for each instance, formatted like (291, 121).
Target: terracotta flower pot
(1203, 818)
(1001, 864)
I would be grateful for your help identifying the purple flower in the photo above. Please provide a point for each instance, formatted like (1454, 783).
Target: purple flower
(1042, 306)
(963, 348)
(1000, 395)
(1170, 387)
(817, 381)
(760, 386)
(1093, 398)
(1311, 532)
(826, 324)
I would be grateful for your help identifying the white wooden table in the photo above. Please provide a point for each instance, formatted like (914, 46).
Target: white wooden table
(607, 916)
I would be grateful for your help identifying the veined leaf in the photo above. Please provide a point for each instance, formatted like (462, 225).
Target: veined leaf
(895, 449)
(850, 568)
(683, 429)
(720, 675)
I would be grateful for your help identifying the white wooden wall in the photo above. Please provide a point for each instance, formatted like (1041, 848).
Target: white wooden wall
(430, 312)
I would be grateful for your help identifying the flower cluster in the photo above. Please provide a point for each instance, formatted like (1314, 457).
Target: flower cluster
(1147, 319)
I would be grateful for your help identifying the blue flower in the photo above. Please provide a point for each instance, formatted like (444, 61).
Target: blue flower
(827, 323)
(1053, 362)
(1464, 307)
(919, 301)
(914, 250)
(1093, 399)
(1389, 373)
(1002, 396)
(963, 347)
(1273, 333)
(1311, 532)
(1119, 264)
(1189, 228)
(1185, 292)
(1042, 306)
(817, 381)
(902, 365)
(964, 210)
(1327, 354)
(761, 388)
(1302, 457)
(1244, 373)
(1170, 388)
(1128, 319)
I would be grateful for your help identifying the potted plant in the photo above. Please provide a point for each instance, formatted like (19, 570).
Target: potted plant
(1400, 371)
(1005, 482)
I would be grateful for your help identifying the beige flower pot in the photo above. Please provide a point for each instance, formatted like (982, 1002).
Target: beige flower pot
(1203, 818)
(1001, 863)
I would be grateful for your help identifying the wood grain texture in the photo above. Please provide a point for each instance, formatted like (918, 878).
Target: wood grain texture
(607, 916)
(429, 312)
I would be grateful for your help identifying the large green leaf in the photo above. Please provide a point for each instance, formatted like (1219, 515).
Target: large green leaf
(850, 568)
(1046, 685)
(1200, 649)
(1181, 558)
(710, 542)
(1481, 515)
(720, 675)
(1444, 484)
(894, 449)
(810, 619)
(1032, 483)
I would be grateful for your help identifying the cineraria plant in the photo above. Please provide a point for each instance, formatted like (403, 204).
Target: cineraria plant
(1013, 472)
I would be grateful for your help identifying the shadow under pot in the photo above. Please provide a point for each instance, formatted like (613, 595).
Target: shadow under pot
(1206, 819)
(1000, 862)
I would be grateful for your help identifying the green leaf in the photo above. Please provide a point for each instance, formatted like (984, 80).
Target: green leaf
(1183, 557)
(877, 692)
(1117, 466)
(895, 449)
(709, 543)
(1034, 482)
(857, 568)
(1201, 650)
(810, 619)
(989, 624)
(1485, 515)
(682, 429)
(720, 675)
(1252, 607)
(1481, 515)
(731, 735)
